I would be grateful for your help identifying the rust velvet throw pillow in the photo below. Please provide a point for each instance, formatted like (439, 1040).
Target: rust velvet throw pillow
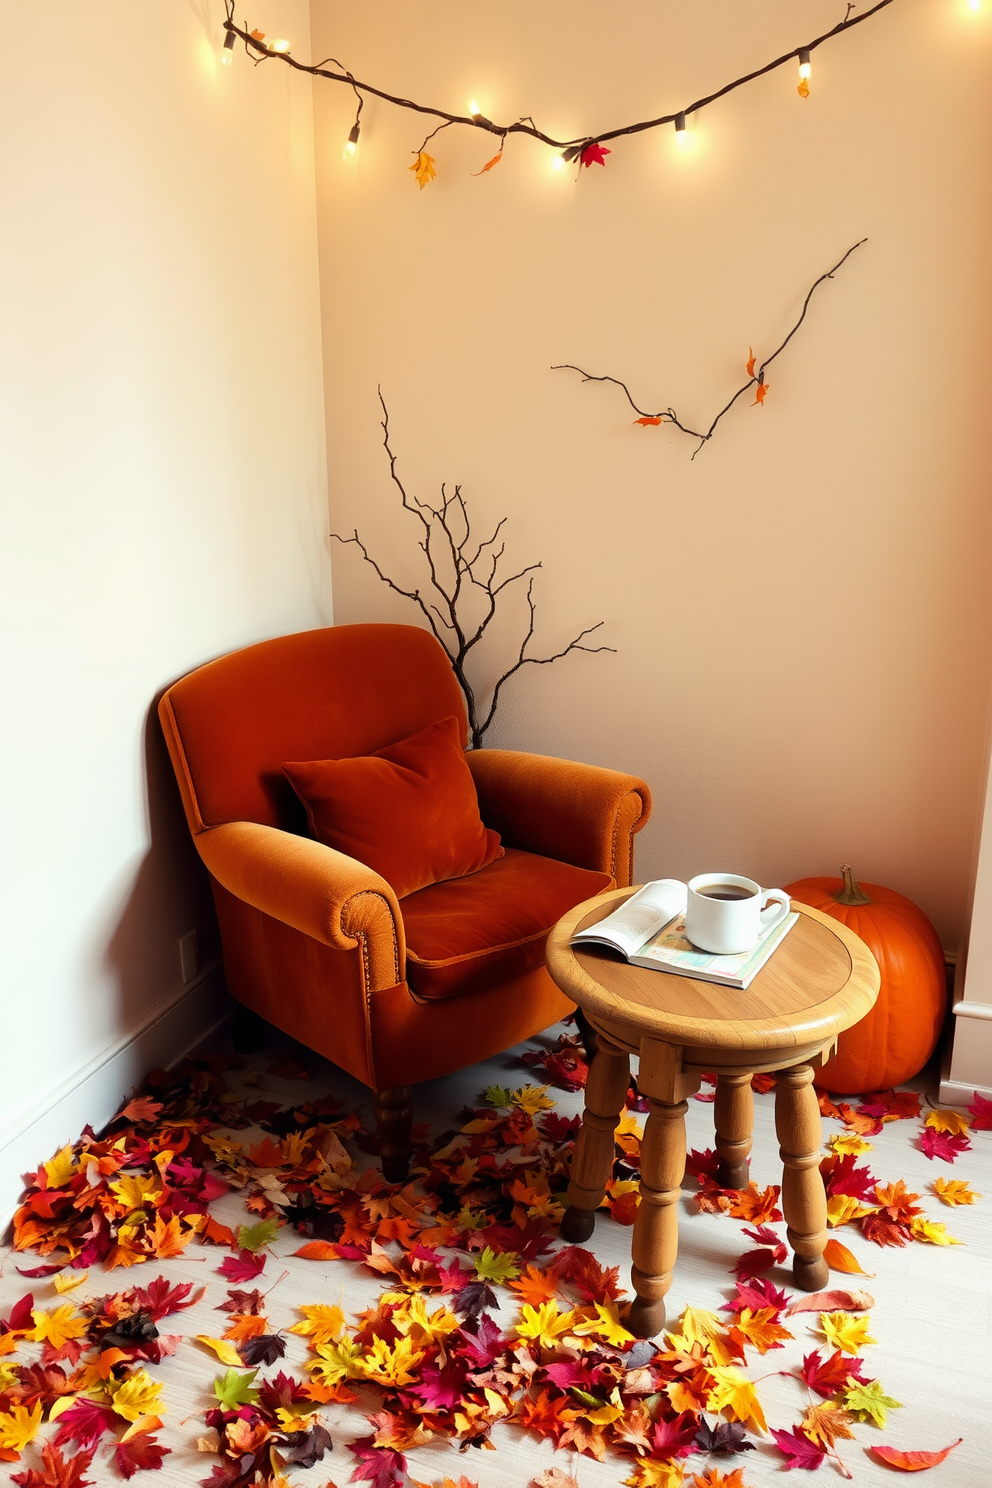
(409, 811)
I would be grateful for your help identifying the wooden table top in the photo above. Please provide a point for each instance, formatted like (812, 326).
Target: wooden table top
(820, 980)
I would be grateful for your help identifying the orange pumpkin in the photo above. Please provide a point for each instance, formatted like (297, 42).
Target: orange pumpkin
(896, 1039)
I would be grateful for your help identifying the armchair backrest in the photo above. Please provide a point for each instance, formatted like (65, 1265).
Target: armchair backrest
(322, 694)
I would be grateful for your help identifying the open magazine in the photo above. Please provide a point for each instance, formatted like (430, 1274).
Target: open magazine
(649, 930)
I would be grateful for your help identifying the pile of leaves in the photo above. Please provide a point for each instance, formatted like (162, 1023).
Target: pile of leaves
(470, 1237)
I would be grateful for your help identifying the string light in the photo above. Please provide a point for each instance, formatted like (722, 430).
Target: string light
(351, 145)
(259, 49)
(227, 54)
(974, 4)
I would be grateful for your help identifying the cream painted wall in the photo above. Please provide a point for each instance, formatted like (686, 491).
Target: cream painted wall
(162, 468)
(801, 615)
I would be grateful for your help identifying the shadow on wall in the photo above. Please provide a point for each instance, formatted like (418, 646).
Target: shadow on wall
(168, 898)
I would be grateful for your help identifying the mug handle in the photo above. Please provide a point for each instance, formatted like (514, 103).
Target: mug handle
(771, 917)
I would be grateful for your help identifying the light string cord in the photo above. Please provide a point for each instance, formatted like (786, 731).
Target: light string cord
(259, 52)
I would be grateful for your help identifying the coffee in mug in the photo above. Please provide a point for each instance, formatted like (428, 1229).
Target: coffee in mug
(727, 914)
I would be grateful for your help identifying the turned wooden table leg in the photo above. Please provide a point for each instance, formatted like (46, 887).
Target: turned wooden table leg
(655, 1242)
(804, 1199)
(734, 1115)
(592, 1161)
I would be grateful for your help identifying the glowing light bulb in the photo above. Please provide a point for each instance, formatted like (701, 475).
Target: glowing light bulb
(974, 4)
(805, 68)
(474, 108)
(227, 53)
(280, 46)
(556, 163)
(351, 145)
(681, 133)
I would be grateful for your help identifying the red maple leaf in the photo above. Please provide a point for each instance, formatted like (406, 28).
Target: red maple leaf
(980, 1111)
(244, 1266)
(85, 1422)
(703, 1164)
(766, 1236)
(842, 1175)
(380, 1466)
(139, 1454)
(753, 1262)
(827, 1376)
(581, 1270)
(59, 1472)
(942, 1144)
(883, 1231)
(892, 1105)
(160, 1300)
(797, 1447)
(756, 1293)
(594, 154)
(675, 1438)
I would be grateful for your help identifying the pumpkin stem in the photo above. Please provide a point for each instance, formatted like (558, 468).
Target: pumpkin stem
(851, 893)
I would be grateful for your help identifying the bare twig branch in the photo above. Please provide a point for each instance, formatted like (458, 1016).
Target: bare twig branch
(259, 52)
(756, 380)
(458, 568)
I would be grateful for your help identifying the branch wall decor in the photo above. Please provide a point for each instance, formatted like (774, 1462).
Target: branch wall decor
(584, 150)
(755, 371)
(463, 589)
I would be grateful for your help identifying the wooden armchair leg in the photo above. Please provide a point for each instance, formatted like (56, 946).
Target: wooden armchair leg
(393, 1124)
(249, 1032)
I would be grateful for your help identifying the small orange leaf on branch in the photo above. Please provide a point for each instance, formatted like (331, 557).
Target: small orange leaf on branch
(645, 421)
(489, 164)
(760, 393)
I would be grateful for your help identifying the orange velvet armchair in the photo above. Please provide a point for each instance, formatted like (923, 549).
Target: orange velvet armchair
(315, 942)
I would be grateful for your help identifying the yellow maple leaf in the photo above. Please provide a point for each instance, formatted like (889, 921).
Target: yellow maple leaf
(225, 1351)
(135, 1190)
(953, 1191)
(931, 1231)
(18, 1426)
(414, 1321)
(392, 1364)
(138, 1395)
(57, 1327)
(337, 1361)
(734, 1392)
(605, 1415)
(69, 1281)
(842, 1208)
(656, 1473)
(849, 1142)
(845, 1331)
(697, 1326)
(948, 1121)
(544, 1324)
(760, 1329)
(825, 1423)
(423, 169)
(322, 1322)
(61, 1168)
(605, 1324)
(533, 1098)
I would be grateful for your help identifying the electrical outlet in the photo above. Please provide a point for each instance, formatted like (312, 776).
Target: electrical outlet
(188, 956)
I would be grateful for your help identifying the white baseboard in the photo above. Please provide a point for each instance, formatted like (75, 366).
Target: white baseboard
(953, 1093)
(92, 1094)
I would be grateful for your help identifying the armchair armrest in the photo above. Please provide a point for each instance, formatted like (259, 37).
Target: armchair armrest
(323, 893)
(580, 814)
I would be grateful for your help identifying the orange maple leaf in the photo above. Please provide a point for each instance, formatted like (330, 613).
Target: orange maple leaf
(716, 1479)
(653, 421)
(169, 1239)
(245, 1325)
(754, 1204)
(535, 1286)
(760, 393)
(750, 362)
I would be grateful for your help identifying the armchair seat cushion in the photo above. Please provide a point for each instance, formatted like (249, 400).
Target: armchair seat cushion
(469, 933)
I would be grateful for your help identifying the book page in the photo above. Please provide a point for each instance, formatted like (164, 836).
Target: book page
(670, 950)
(639, 918)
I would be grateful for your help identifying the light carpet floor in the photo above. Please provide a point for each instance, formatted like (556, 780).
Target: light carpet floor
(931, 1316)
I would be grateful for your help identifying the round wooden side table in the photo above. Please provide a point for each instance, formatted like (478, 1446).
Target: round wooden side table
(820, 980)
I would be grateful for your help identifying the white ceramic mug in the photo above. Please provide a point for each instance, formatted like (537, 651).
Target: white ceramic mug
(726, 914)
